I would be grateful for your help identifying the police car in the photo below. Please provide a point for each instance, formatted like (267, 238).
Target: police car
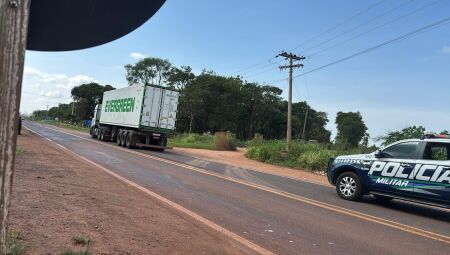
(417, 170)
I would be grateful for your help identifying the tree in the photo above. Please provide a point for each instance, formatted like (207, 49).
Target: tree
(315, 123)
(63, 112)
(211, 102)
(149, 71)
(39, 114)
(350, 128)
(87, 96)
(180, 77)
(413, 132)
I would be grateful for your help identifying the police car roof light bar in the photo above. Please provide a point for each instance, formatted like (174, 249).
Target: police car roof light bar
(435, 136)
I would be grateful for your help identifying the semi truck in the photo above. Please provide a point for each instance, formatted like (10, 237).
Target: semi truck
(136, 116)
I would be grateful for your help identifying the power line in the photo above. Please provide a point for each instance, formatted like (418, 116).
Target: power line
(397, 39)
(314, 37)
(252, 66)
(338, 25)
(263, 71)
(375, 28)
(423, 29)
(327, 31)
(366, 32)
(270, 64)
(360, 25)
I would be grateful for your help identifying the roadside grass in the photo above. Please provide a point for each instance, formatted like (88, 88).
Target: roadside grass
(194, 141)
(81, 241)
(65, 125)
(303, 155)
(15, 243)
(19, 151)
(200, 141)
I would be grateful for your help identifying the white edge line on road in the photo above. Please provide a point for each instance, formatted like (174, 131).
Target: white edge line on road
(368, 217)
(168, 202)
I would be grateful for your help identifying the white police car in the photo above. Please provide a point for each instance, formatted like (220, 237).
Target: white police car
(416, 170)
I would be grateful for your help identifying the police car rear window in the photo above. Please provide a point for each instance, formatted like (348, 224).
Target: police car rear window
(402, 151)
(436, 151)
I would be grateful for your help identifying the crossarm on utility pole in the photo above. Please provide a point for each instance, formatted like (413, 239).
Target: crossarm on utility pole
(14, 15)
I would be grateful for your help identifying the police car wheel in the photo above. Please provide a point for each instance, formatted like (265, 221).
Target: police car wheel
(349, 187)
(383, 198)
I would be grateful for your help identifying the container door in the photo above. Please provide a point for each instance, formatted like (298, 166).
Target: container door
(145, 117)
(168, 110)
(150, 111)
(155, 107)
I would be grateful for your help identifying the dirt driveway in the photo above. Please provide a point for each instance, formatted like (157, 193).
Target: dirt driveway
(237, 158)
(57, 197)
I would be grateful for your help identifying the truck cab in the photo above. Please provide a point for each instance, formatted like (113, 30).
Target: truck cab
(95, 120)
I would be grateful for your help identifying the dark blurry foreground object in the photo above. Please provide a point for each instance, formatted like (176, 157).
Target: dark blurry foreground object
(62, 25)
(50, 25)
(20, 125)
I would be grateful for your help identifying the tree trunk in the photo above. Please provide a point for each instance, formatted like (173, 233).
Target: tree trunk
(191, 122)
(14, 16)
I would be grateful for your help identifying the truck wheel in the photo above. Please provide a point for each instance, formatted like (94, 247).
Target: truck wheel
(114, 131)
(349, 186)
(128, 140)
(93, 133)
(123, 137)
(102, 134)
(99, 134)
(119, 137)
(383, 198)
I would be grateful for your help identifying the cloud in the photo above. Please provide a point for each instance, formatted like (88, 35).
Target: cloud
(446, 49)
(54, 93)
(137, 55)
(41, 89)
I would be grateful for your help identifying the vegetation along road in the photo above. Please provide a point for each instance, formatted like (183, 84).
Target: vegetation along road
(267, 213)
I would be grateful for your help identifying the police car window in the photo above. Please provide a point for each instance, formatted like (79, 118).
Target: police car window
(436, 151)
(402, 151)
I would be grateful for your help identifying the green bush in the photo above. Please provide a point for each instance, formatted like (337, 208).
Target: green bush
(310, 156)
(259, 153)
(197, 141)
(235, 142)
(196, 138)
(316, 160)
(257, 140)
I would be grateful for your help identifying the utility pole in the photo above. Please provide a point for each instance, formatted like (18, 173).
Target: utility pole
(14, 16)
(73, 105)
(304, 124)
(46, 113)
(291, 58)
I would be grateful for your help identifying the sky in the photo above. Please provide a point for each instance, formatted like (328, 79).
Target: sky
(401, 84)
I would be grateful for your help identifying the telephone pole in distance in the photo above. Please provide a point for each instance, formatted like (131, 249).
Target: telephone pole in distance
(291, 58)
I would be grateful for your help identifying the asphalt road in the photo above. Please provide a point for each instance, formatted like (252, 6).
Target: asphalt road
(282, 215)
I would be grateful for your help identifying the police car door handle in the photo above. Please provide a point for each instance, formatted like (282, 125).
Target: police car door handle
(405, 165)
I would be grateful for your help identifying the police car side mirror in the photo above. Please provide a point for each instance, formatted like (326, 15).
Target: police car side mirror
(378, 154)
